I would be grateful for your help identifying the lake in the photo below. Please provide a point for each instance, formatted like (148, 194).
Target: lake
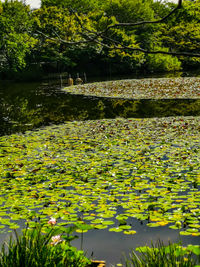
(27, 106)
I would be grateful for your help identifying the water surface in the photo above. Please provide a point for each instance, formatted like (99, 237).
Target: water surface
(25, 106)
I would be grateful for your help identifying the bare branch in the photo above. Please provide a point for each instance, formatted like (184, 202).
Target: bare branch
(186, 54)
(179, 5)
(133, 49)
(64, 41)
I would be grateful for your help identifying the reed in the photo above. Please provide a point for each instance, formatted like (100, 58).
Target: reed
(159, 255)
(37, 249)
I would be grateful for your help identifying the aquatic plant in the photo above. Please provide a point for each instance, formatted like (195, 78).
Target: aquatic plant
(160, 255)
(42, 247)
(157, 88)
(104, 174)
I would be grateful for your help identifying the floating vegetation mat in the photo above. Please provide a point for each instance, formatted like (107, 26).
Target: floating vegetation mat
(142, 88)
(104, 173)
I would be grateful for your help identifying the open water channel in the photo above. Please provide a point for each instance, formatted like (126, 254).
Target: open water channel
(25, 106)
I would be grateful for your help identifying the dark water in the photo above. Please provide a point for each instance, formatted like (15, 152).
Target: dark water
(24, 106)
(109, 246)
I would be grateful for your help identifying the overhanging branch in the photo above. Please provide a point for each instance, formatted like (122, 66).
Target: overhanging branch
(119, 46)
(64, 41)
(134, 24)
(93, 37)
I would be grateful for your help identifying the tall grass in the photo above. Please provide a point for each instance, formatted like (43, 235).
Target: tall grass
(37, 249)
(172, 255)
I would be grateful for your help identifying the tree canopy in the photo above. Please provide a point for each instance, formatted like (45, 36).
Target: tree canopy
(134, 35)
(15, 39)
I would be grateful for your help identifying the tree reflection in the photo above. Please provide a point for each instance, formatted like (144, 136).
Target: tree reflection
(27, 106)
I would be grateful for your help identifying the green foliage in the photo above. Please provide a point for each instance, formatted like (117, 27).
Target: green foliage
(129, 11)
(53, 24)
(160, 62)
(149, 37)
(165, 256)
(36, 247)
(16, 41)
(1, 7)
(63, 33)
(79, 6)
(189, 13)
(182, 32)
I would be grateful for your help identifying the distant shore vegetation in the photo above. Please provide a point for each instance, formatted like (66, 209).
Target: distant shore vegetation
(59, 36)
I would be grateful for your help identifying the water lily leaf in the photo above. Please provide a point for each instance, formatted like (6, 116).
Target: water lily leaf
(81, 231)
(129, 232)
(100, 226)
(167, 88)
(125, 227)
(153, 224)
(117, 229)
(184, 233)
(107, 222)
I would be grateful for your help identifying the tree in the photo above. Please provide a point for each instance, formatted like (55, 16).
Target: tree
(15, 40)
(57, 31)
(143, 23)
(142, 34)
(79, 6)
(143, 31)
(182, 33)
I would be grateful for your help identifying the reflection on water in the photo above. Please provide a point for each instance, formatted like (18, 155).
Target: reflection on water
(31, 105)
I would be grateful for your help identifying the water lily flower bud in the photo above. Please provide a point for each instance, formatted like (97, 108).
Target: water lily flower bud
(52, 221)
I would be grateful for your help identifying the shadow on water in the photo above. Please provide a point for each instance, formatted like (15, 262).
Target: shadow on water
(31, 105)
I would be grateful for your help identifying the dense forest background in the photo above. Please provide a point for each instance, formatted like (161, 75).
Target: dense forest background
(58, 37)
